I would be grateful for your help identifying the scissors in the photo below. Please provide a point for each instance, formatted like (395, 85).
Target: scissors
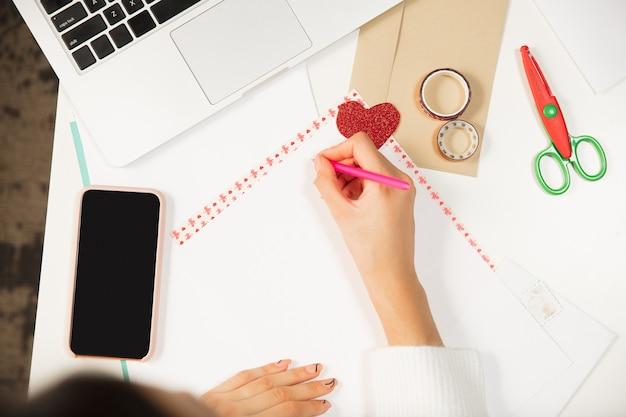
(563, 147)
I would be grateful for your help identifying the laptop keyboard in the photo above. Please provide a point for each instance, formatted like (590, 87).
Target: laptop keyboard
(94, 29)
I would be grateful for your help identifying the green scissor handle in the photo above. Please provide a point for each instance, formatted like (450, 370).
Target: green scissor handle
(553, 153)
(575, 161)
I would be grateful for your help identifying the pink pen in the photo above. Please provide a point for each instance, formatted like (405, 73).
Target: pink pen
(361, 173)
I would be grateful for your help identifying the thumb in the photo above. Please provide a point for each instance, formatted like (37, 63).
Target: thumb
(328, 185)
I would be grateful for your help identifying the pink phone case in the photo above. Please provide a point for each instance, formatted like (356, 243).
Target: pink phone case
(157, 270)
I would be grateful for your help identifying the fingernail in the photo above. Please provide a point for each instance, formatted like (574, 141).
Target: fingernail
(282, 363)
(314, 368)
(326, 404)
(329, 383)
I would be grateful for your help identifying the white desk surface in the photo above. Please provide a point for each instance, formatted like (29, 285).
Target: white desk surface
(503, 205)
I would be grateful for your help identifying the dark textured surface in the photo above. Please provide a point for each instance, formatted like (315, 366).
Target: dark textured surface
(28, 90)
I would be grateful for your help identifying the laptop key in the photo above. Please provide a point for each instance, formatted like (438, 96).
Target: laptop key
(141, 23)
(69, 17)
(121, 36)
(51, 6)
(102, 46)
(114, 14)
(167, 9)
(95, 5)
(83, 57)
(132, 6)
(83, 32)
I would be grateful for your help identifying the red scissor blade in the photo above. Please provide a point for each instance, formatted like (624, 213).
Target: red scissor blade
(547, 105)
(536, 80)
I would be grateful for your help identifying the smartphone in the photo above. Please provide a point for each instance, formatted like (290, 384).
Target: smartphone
(116, 274)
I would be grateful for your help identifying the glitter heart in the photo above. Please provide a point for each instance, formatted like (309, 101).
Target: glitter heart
(378, 122)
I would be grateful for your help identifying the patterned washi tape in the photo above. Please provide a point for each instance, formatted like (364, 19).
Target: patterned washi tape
(444, 132)
(441, 72)
(187, 230)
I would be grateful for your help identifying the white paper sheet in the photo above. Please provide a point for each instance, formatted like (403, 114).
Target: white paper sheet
(271, 277)
(594, 34)
(582, 339)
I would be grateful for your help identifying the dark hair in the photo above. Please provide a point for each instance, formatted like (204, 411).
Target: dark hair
(87, 396)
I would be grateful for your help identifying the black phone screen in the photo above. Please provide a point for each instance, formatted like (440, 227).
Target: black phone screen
(115, 274)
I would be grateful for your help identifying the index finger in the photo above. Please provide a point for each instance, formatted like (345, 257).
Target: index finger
(360, 148)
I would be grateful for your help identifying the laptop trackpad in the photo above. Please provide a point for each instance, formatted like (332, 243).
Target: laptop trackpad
(238, 41)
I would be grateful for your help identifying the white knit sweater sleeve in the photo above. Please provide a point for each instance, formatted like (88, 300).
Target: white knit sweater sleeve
(424, 381)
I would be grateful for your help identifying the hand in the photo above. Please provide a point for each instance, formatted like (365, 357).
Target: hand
(271, 390)
(378, 227)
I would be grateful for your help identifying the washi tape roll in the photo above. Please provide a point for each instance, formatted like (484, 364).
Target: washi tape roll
(444, 72)
(443, 137)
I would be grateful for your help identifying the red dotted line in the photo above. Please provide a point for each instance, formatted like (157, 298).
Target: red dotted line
(209, 212)
(434, 195)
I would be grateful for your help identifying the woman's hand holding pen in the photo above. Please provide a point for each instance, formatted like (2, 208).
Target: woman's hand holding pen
(378, 226)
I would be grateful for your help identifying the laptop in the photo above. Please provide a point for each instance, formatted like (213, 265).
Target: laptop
(141, 72)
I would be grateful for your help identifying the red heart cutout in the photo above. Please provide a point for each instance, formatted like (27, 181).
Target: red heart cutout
(379, 122)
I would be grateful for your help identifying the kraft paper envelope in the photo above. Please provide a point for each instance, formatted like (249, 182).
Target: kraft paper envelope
(399, 48)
